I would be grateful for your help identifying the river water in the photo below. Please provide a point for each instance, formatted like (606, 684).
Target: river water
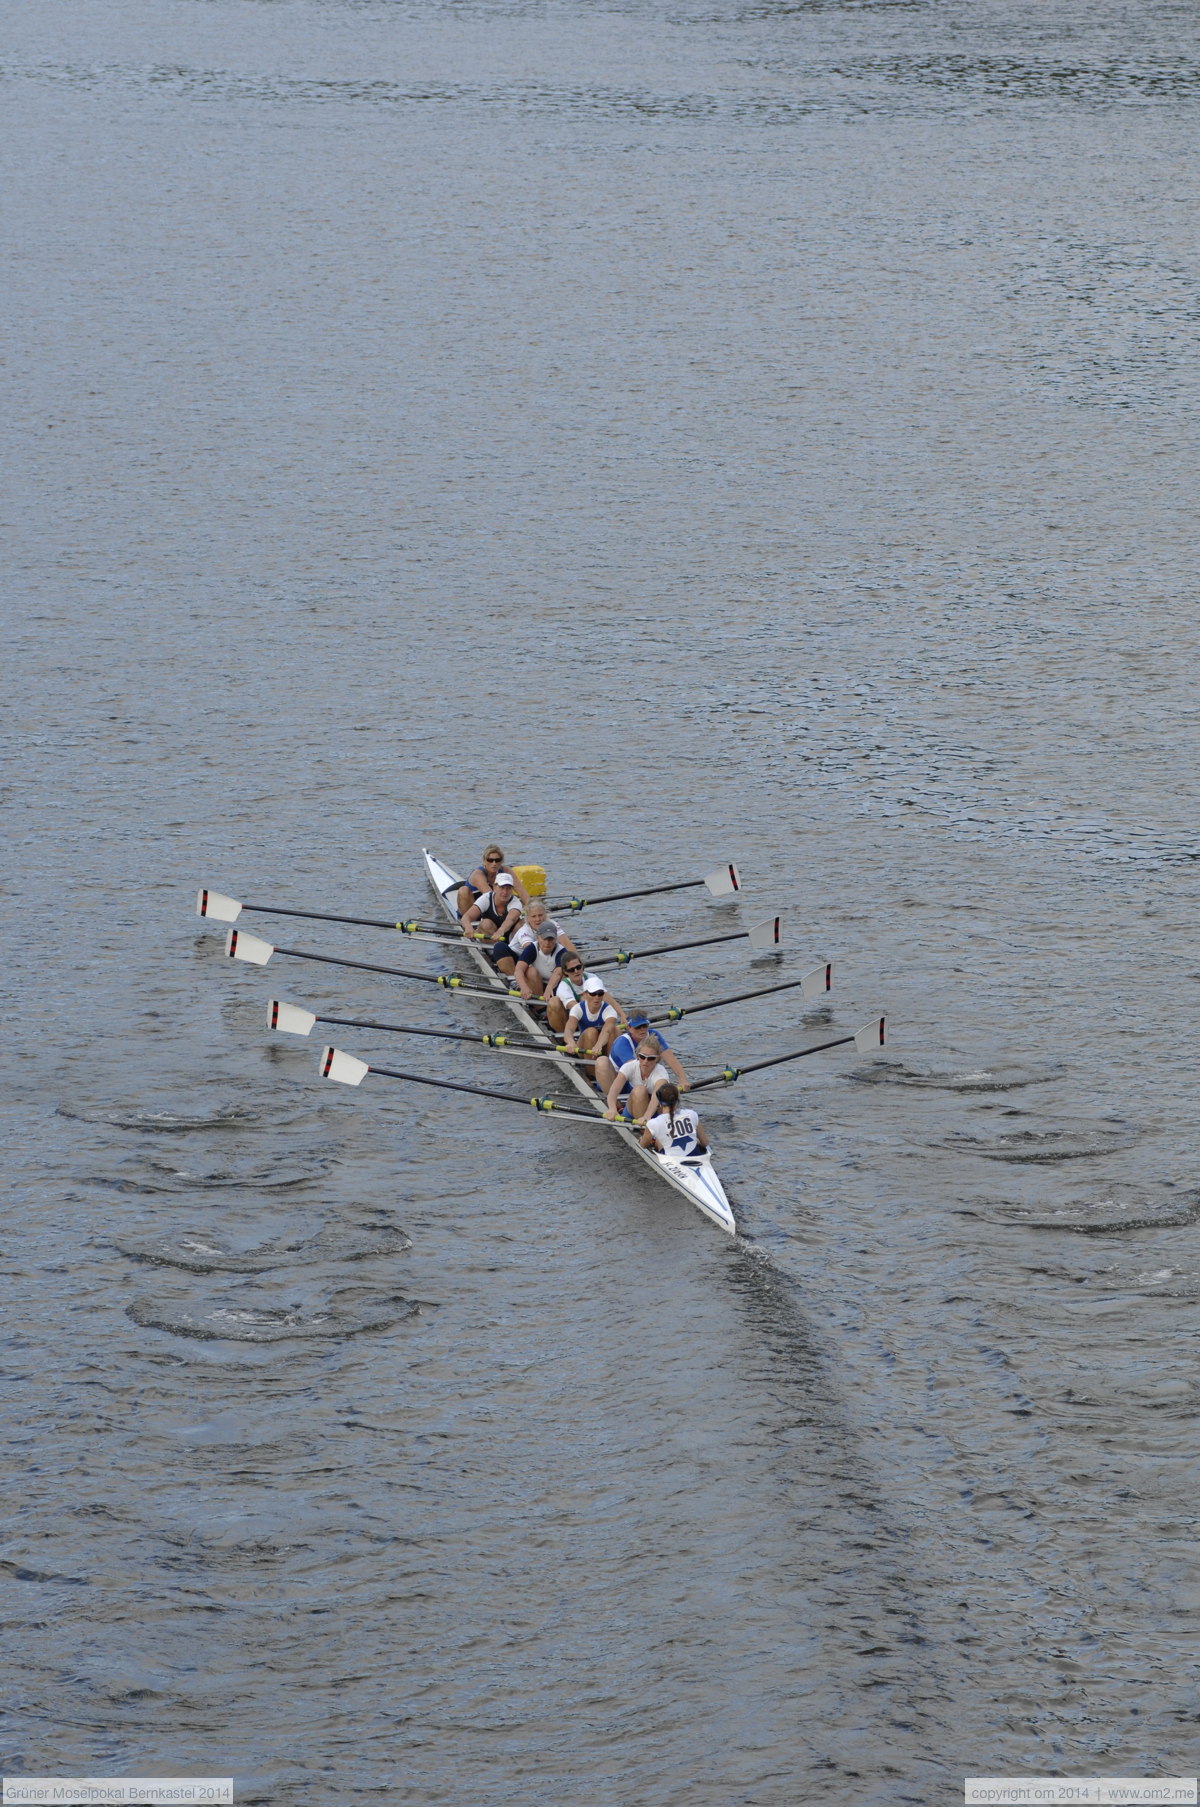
(652, 435)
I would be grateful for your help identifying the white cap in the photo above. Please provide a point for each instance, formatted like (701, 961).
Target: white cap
(593, 982)
(503, 878)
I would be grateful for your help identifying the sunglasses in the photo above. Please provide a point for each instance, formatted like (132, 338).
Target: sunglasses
(572, 969)
(647, 1056)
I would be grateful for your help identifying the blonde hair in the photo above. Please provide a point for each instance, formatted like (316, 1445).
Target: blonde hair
(538, 905)
(493, 852)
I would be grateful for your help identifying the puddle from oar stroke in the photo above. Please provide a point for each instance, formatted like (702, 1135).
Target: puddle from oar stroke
(1177, 1280)
(1098, 1213)
(164, 1122)
(17, 1571)
(1072, 1139)
(1003, 1077)
(150, 1175)
(200, 1254)
(342, 1316)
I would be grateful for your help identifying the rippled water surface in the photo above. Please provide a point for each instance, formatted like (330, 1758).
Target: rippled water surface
(654, 436)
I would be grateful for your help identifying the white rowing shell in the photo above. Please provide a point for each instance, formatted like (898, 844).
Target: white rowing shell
(694, 1176)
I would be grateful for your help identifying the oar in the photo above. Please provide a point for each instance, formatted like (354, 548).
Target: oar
(726, 881)
(290, 1019)
(218, 908)
(763, 935)
(347, 1069)
(872, 1035)
(240, 946)
(813, 985)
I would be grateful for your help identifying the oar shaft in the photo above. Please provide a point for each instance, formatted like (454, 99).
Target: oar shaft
(623, 956)
(507, 1044)
(677, 1011)
(447, 981)
(756, 1066)
(581, 903)
(485, 1091)
(423, 931)
(366, 966)
(457, 1085)
(363, 922)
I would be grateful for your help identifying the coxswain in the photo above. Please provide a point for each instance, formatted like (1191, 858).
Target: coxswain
(644, 1075)
(676, 1129)
(491, 918)
(483, 878)
(593, 1021)
(625, 1045)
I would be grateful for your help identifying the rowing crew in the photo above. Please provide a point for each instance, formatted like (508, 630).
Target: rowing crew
(524, 942)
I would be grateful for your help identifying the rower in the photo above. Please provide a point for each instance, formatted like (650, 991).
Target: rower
(539, 947)
(593, 1021)
(645, 1074)
(483, 878)
(566, 993)
(624, 1047)
(676, 1130)
(492, 917)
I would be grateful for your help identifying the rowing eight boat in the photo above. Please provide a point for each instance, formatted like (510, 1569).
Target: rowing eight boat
(694, 1175)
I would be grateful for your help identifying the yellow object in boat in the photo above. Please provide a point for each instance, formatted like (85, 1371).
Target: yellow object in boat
(532, 877)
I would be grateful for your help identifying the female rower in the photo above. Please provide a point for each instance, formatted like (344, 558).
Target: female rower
(645, 1076)
(536, 912)
(624, 1047)
(539, 948)
(566, 993)
(491, 918)
(675, 1130)
(593, 1021)
(483, 878)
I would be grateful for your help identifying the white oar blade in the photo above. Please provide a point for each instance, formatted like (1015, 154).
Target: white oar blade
(289, 1019)
(766, 934)
(816, 983)
(240, 946)
(872, 1036)
(726, 881)
(217, 907)
(342, 1067)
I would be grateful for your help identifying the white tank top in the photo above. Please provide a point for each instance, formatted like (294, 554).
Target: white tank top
(677, 1134)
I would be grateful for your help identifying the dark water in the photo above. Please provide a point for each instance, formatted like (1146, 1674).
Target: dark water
(655, 436)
